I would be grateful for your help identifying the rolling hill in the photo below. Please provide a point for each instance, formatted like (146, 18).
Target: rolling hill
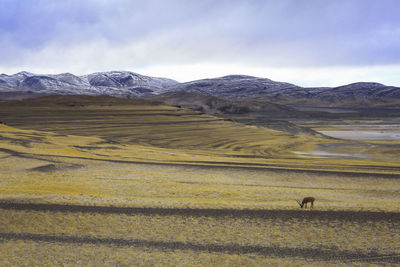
(360, 94)
(147, 123)
(219, 105)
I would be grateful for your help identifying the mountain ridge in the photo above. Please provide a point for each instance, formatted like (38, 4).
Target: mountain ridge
(128, 84)
(113, 83)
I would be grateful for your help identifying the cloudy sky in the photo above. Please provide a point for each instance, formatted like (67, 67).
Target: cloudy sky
(307, 42)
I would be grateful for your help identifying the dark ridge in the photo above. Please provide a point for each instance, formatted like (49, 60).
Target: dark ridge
(330, 254)
(239, 76)
(54, 167)
(283, 214)
(45, 168)
(80, 100)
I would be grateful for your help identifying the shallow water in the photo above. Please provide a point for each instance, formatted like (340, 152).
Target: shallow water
(320, 154)
(392, 135)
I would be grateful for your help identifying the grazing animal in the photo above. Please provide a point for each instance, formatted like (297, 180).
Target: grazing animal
(305, 201)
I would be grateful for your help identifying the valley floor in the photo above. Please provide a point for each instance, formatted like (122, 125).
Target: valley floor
(158, 185)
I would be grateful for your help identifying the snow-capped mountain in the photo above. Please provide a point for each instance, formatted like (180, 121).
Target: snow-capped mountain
(114, 83)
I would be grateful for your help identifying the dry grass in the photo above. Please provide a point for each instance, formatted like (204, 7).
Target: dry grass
(28, 253)
(160, 156)
(342, 235)
(125, 184)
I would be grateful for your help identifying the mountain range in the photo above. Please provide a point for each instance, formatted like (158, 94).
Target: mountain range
(233, 93)
(113, 83)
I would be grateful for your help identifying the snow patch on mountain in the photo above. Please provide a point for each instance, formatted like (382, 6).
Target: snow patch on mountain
(114, 83)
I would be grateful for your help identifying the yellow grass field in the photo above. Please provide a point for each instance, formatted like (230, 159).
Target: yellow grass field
(139, 183)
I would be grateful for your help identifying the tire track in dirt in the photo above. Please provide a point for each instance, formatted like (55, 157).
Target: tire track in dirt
(307, 253)
(282, 214)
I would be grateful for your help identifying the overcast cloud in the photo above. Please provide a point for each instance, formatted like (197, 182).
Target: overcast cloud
(183, 39)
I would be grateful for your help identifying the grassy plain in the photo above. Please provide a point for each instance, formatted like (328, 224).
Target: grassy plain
(127, 153)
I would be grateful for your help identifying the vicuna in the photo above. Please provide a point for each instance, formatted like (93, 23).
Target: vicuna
(305, 201)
